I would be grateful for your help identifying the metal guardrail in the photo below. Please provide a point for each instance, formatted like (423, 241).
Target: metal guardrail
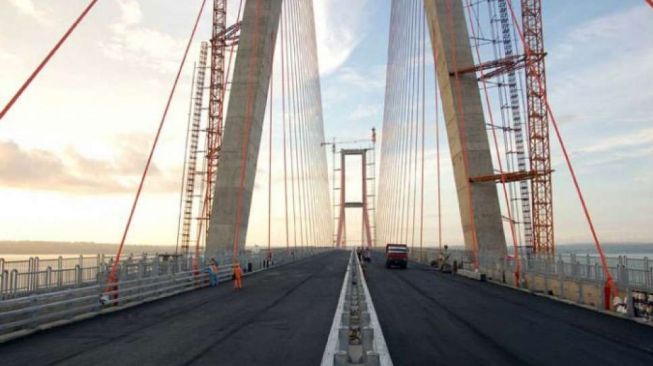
(36, 276)
(627, 272)
(23, 315)
(577, 279)
(356, 337)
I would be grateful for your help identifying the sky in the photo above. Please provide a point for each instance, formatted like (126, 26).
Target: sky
(73, 147)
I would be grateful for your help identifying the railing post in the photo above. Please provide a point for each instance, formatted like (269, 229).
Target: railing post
(547, 269)
(30, 273)
(48, 277)
(13, 282)
(4, 284)
(599, 287)
(60, 271)
(625, 278)
(589, 265)
(78, 275)
(124, 270)
(37, 264)
(598, 279)
(561, 277)
(630, 306)
(575, 269)
(647, 274)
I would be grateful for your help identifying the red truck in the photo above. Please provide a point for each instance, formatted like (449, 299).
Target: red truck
(396, 255)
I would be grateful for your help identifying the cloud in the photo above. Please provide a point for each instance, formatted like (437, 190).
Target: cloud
(366, 113)
(600, 72)
(27, 8)
(338, 31)
(74, 172)
(134, 43)
(593, 35)
(627, 140)
(9, 59)
(368, 80)
(130, 12)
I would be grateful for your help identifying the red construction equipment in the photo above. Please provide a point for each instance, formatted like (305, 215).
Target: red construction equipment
(538, 128)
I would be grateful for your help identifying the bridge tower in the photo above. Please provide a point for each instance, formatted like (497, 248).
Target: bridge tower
(468, 142)
(363, 205)
(243, 127)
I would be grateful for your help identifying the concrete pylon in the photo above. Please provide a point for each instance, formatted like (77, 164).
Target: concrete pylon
(243, 126)
(461, 103)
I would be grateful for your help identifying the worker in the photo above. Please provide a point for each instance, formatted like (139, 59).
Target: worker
(238, 274)
(367, 256)
(213, 271)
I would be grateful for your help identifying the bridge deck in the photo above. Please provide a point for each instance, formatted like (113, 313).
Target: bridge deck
(282, 316)
(430, 318)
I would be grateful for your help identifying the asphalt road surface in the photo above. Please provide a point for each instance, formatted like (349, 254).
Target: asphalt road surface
(281, 317)
(432, 318)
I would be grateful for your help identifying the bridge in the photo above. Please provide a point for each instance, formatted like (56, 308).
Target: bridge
(315, 294)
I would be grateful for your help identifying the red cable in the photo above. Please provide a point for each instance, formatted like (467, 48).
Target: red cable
(299, 145)
(47, 59)
(437, 147)
(416, 120)
(112, 275)
(649, 2)
(421, 214)
(554, 122)
(283, 120)
(299, 153)
(270, 164)
(407, 148)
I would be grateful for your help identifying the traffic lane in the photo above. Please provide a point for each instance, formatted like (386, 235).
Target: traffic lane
(416, 329)
(470, 322)
(282, 316)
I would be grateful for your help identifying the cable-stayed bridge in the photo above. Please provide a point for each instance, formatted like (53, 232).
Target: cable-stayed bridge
(472, 71)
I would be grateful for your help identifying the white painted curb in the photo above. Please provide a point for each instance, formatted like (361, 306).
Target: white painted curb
(332, 341)
(379, 340)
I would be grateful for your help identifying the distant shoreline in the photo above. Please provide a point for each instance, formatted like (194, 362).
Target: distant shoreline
(88, 248)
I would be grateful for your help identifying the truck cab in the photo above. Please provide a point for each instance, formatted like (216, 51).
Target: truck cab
(396, 255)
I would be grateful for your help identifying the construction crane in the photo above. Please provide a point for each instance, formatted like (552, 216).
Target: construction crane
(539, 174)
(216, 103)
(538, 128)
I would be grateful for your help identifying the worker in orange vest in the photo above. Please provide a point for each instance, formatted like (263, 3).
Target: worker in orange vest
(238, 274)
